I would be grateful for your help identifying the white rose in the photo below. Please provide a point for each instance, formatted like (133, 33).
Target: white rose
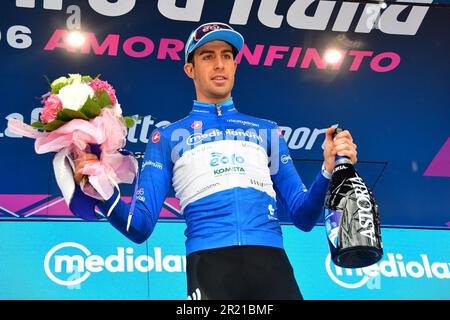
(73, 96)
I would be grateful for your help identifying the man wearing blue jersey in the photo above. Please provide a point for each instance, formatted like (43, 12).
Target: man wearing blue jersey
(229, 170)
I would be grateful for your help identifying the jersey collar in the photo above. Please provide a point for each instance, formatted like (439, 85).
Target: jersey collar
(221, 108)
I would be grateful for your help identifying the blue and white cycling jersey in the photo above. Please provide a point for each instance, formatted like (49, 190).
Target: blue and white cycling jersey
(227, 170)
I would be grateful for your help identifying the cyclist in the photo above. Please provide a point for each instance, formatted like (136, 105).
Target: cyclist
(228, 170)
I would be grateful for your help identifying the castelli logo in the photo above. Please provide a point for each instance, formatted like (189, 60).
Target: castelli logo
(196, 124)
(156, 137)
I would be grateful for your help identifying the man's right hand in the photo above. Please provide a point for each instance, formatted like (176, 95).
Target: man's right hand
(83, 159)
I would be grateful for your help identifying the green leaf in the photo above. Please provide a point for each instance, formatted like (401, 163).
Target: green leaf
(86, 78)
(91, 108)
(104, 100)
(68, 114)
(129, 122)
(37, 125)
(57, 87)
(53, 125)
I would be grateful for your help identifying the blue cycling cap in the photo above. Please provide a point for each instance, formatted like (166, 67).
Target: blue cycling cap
(213, 31)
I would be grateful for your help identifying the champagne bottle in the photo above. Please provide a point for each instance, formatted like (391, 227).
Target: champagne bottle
(351, 218)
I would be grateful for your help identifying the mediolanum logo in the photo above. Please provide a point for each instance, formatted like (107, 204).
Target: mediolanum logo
(67, 259)
(395, 266)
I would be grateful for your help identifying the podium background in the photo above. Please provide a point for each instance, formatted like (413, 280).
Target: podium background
(395, 103)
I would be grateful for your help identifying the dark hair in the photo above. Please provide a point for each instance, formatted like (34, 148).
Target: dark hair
(190, 58)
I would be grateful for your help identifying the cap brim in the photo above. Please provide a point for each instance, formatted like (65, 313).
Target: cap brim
(232, 37)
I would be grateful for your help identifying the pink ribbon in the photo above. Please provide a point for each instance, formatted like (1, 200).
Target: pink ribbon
(107, 130)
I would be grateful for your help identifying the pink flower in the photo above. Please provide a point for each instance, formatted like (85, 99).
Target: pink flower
(99, 85)
(51, 107)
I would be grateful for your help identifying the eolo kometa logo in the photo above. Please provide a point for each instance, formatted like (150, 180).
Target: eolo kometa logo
(395, 266)
(69, 258)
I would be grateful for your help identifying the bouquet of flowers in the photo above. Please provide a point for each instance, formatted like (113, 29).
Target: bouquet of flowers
(81, 114)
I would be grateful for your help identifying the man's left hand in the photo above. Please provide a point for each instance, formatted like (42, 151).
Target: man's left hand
(342, 145)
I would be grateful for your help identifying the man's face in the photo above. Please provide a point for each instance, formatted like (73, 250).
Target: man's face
(212, 70)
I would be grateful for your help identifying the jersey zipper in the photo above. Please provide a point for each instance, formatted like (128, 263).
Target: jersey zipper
(238, 229)
(235, 205)
(219, 110)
